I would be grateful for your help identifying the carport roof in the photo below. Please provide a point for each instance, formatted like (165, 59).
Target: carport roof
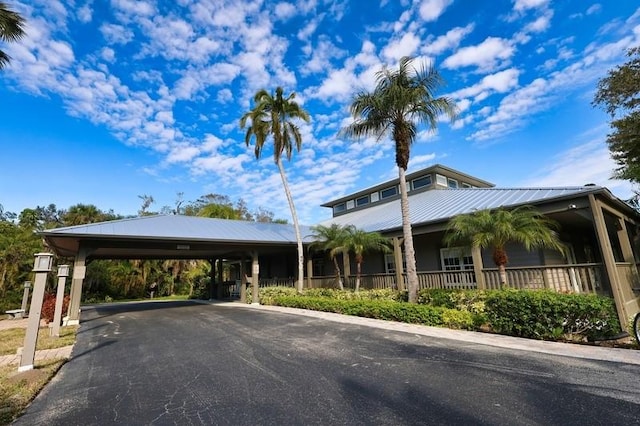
(150, 230)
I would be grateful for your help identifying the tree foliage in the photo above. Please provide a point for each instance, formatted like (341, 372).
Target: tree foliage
(11, 29)
(402, 100)
(619, 94)
(330, 239)
(275, 116)
(493, 229)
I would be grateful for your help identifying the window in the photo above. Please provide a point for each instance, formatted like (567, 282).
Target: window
(318, 267)
(350, 204)
(441, 180)
(466, 185)
(339, 208)
(362, 201)
(374, 197)
(452, 183)
(389, 192)
(459, 262)
(421, 182)
(390, 263)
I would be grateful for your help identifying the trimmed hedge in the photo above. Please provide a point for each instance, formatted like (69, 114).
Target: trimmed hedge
(544, 314)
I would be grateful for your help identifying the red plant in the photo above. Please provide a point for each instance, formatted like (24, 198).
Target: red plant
(49, 307)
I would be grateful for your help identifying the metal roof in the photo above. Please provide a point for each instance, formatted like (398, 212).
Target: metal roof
(442, 204)
(177, 227)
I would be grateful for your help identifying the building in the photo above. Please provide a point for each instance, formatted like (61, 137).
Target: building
(600, 230)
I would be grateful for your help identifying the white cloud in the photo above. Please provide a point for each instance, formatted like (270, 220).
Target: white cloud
(284, 11)
(85, 13)
(522, 5)
(500, 82)
(488, 55)
(404, 46)
(448, 41)
(116, 34)
(430, 10)
(541, 24)
(593, 9)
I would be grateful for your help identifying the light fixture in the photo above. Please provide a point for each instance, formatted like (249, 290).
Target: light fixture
(43, 262)
(63, 270)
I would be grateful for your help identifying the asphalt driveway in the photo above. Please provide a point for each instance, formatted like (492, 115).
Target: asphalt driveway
(188, 363)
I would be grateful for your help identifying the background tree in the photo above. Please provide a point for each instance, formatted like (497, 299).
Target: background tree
(402, 100)
(619, 95)
(495, 228)
(274, 116)
(330, 239)
(11, 29)
(359, 242)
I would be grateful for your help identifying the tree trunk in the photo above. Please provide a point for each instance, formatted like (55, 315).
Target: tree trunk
(296, 226)
(412, 275)
(337, 267)
(503, 275)
(358, 270)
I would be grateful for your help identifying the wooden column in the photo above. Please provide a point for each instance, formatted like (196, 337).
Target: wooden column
(255, 279)
(347, 267)
(219, 292)
(478, 266)
(607, 257)
(243, 282)
(397, 258)
(309, 270)
(212, 278)
(79, 272)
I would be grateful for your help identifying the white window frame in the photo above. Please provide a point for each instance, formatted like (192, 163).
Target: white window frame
(364, 197)
(390, 263)
(337, 210)
(395, 188)
(452, 183)
(455, 259)
(428, 177)
(441, 180)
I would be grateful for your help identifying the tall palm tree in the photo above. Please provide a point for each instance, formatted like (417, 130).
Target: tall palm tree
(11, 29)
(274, 116)
(360, 242)
(495, 228)
(402, 100)
(330, 239)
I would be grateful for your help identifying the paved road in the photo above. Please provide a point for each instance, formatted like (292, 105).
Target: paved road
(186, 363)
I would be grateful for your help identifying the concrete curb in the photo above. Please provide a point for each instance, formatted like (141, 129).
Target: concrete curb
(626, 356)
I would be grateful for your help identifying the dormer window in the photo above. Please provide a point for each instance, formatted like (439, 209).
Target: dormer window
(338, 208)
(466, 185)
(452, 183)
(421, 182)
(362, 201)
(389, 192)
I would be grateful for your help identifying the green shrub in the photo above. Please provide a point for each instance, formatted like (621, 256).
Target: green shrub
(378, 294)
(378, 309)
(453, 318)
(266, 294)
(542, 314)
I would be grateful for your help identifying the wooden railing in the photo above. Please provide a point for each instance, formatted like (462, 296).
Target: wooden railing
(372, 281)
(447, 279)
(579, 278)
(277, 282)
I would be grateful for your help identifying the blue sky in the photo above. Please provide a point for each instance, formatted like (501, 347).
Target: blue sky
(108, 100)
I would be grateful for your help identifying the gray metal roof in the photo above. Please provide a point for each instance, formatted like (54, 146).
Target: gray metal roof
(176, 227)
(442, 204)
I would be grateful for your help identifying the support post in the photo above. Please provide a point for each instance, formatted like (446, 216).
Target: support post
(309, 271)
(212, 278)
(79, 272)
(63, 273)
(219, 293)
(255, 272)
(25, 297)
(397, 259)
(607, 257)
(478, 266)
(347, 267)
(243, 282)
(41, 267)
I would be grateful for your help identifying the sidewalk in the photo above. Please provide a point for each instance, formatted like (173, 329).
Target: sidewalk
(46, 354)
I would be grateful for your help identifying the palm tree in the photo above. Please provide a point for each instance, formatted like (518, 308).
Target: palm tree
(11, 29)
(272, 116)
(330, 239)
(360, 242)
(402, 100)
(495, 228)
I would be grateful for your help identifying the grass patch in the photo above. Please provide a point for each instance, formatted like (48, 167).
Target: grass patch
(13, 338)
(17, 390)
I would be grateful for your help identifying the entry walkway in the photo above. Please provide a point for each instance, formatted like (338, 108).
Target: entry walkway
(43, 355)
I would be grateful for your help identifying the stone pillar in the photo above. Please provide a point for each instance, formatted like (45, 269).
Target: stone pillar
(476, 255)
(255, 279)
(397, 259)
(79, 272)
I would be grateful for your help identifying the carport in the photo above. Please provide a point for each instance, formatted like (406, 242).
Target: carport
(177, 237)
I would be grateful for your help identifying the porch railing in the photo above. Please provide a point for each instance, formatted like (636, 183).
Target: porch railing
(447, 279)
(579, 278)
